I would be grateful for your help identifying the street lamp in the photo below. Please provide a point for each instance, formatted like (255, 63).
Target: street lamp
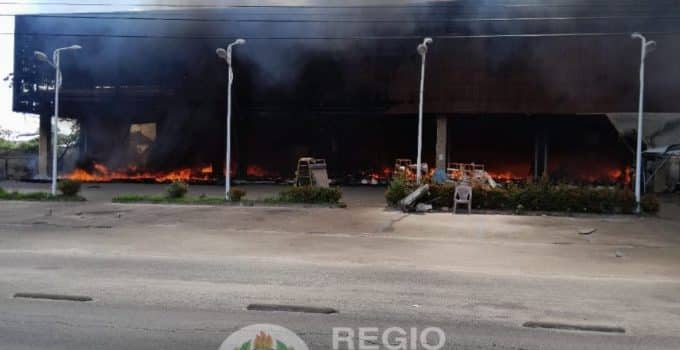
(647, 47)
(55, 119)
(422, 50)
(225, 54)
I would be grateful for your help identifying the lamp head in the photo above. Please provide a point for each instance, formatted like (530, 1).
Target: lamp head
(75, 47)
(422, 48)
(41, 56)
(222, 53)
(651, 46)
(240, 41)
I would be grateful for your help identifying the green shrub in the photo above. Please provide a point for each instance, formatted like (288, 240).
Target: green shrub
(397, 190)
(649, 203)
(177, 189)
(541, 196)
(36, 196)
(236, 194)
(310, 194)
(329, 195)
(491, 199)
(441, 195)
(69, 188)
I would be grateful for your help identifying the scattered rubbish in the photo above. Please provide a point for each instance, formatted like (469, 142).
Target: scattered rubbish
(574, 327)
(94, 186)
(439, 176)
(52, 296)
(586, 230)
(292, 308)
(619, 254)
(408, 203)
(49, 212)
(119, 215)
(405, 167)
(474, 174)
(423, 208)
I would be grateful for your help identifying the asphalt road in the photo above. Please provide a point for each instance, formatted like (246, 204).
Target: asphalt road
(181, 277)
(146, 302)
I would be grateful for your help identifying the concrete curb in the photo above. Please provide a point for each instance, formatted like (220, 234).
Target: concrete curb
(292, 308)
(574, 327)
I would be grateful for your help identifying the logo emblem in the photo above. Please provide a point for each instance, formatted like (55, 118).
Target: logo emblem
(263, 337)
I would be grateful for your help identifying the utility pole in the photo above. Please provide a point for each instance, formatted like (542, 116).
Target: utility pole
(422, 50)
(55, 119)
(647, 47)
(226, 55)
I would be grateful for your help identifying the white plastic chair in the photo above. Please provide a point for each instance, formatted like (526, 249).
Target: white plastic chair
(463, 195)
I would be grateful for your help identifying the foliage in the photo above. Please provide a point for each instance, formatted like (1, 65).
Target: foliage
(541, 196)
(236, 194)
(177, 189)
(69, 187)
(156, 199)
(305, 194)
(30, 146)
(649, 203)
(398, 189)
(310, 194)
(441, 195)
(36, 196)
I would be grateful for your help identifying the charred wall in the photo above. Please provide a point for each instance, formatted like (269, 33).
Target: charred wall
(561, 56)
(342, 82)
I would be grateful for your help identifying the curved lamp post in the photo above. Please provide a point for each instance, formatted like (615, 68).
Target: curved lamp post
(55, 119)
(226, 55)
(422, 50)
(647, 47)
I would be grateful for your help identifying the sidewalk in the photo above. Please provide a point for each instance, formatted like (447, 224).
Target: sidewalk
(627, 247)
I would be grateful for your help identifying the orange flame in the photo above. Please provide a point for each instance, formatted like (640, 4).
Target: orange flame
(100, 173)
(255, 171)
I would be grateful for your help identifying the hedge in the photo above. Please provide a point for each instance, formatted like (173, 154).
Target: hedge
(69, 187)
(310, 194)
(534, 197)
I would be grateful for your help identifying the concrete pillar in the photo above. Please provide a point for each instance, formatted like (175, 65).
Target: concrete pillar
(44, 146)
(540, 153)
(83, 138)
(441, 145)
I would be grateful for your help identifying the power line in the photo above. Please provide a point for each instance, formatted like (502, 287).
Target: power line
(371, 21)
(357, 37)
(380, 6)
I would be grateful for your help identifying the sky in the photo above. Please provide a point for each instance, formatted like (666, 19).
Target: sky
(20, 124)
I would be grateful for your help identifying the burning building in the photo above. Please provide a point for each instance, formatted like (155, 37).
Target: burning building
(524, 87)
